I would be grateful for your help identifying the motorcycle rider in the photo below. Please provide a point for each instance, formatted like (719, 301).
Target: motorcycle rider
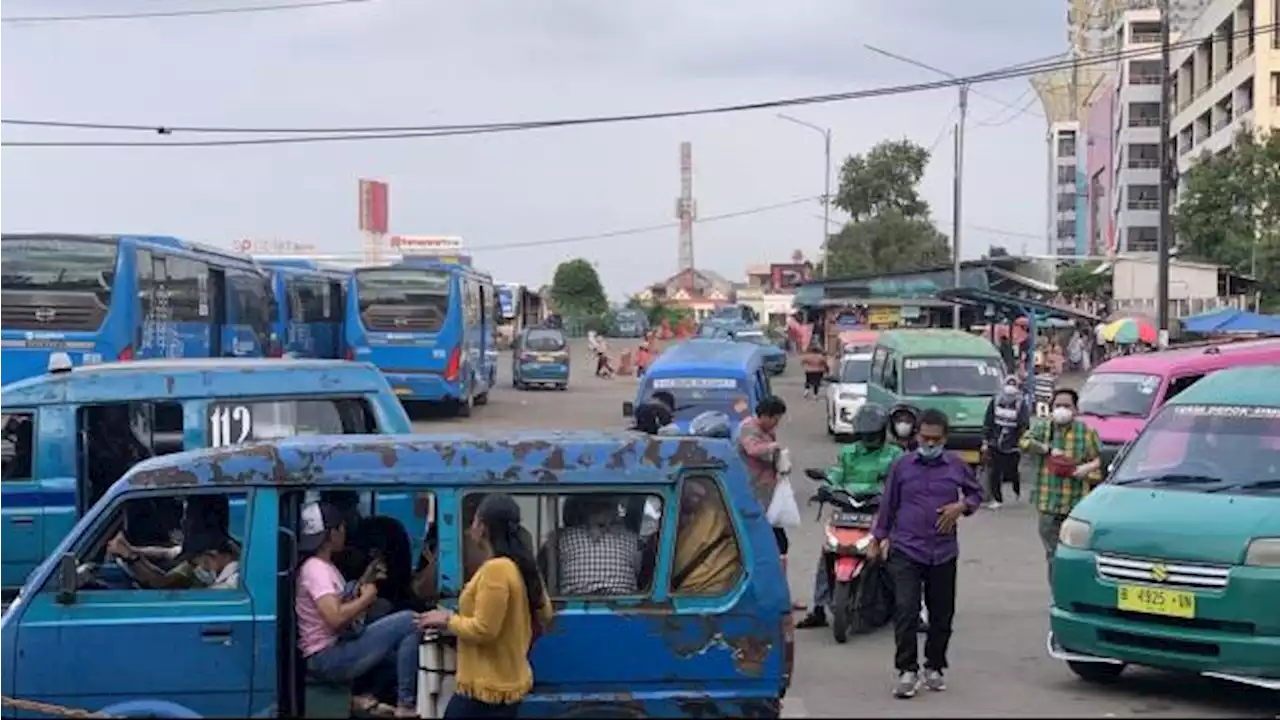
(860, 468)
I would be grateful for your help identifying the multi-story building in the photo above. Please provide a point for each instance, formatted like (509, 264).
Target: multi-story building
(1099, 134)
(1068, 208)
(1228, 82)
(1135, 158)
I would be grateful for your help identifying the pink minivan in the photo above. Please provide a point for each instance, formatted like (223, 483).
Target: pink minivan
(1123, 393)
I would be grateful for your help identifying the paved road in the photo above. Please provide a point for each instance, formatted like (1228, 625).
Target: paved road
(999, 665)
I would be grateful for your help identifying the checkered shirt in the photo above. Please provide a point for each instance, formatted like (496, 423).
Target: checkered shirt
(599, 562)
(1055, 495)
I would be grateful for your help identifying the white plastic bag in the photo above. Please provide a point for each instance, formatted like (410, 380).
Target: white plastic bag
(783, 511)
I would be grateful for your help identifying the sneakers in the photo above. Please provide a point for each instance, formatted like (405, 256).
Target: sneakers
(906, 687)
(816, 618)
(934, 681)
(993, 505)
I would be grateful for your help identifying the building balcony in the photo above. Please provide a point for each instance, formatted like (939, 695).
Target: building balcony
(1143, 204)
(1143, 164)
(1144, 79)
(1144, 38)
(1244, 54)
(1144, 121)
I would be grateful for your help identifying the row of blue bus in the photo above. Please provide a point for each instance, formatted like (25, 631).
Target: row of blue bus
(429, 325)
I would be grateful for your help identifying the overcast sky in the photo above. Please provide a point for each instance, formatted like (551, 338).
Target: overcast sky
(396, 62)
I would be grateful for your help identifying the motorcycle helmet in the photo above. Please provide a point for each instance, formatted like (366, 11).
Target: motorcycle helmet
(870, 424)
(903, 423)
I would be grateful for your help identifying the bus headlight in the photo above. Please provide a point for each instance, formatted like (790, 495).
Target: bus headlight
(1263, 552)
(1075, 533)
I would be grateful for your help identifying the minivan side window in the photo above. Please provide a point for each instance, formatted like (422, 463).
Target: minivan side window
(891, 372)
(1178, 384)
(18, 435)
(877, 365)
(708, 555)
(202, 532)
(590, 544)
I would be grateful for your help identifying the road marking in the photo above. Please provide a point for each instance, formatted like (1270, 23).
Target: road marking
(793, 707)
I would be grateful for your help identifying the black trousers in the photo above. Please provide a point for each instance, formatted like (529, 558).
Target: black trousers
(784, 543)
(1003, 468)
(813, 381)
(938, 585)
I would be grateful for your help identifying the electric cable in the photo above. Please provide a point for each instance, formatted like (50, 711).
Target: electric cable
(237, 10)
(359, 134)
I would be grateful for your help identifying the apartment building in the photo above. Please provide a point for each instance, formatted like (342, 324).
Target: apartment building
(1229, 81)
(1069, 197)
(1135, 160)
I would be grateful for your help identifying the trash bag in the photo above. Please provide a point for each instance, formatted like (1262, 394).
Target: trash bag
(712, 423)
(783, 511)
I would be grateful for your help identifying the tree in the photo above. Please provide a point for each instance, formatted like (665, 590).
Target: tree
(1083, 281)
(1229, 211)
(889, 229)
(576, 289)
(996, 251)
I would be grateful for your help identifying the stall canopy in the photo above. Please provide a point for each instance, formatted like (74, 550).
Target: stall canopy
(1231, 320)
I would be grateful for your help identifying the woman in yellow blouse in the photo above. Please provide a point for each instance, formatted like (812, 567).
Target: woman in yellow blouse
(502, 608)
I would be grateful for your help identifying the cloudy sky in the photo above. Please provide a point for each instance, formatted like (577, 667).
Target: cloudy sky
(408, 62)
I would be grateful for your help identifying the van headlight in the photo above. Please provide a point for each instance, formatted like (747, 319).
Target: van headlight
(1075, 533)
(1263, 552)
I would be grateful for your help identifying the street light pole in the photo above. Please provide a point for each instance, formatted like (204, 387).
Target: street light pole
(1166, 177)
(958, 201)
(826, 183)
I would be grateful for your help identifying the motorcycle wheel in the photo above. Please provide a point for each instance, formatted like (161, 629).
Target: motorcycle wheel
(842, 595)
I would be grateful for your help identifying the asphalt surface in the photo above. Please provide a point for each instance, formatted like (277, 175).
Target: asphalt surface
(999, 667)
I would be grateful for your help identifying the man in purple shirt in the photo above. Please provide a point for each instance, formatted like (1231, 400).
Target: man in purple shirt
(925, 494)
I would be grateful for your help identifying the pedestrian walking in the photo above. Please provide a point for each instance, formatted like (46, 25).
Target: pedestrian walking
(814, 363)
(915, 531)
(1068, 465)
(1008, 417)
(759, 448)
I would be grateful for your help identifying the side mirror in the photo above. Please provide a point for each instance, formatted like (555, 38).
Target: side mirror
(628, 409)
(68, 580)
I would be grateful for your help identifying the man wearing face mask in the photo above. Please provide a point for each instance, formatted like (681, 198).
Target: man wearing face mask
(1068, 465)
(1008, 417)
(216, 561)
(925, 494)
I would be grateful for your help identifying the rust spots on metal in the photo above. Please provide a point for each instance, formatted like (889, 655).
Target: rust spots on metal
(691, 452)
(555, 459)
(585, 460)
(447, 453)
(544, 475)
(522, 449)
(388, 455)
(749, 650)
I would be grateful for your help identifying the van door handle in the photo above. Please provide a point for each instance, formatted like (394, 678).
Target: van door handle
(23, 520)
(216, 633)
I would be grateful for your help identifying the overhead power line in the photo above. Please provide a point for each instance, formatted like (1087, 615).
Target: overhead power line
(237, 10)
(360, 134)
(648, 228)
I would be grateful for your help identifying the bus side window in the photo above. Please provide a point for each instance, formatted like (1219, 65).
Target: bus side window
(188, 286)
(708, 556)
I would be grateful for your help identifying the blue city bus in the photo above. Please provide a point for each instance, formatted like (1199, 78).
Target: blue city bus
(103, 298)
(310, 301)
(430, 326)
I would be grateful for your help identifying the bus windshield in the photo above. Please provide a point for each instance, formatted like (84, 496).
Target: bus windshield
(403, 300)
(951, 376)
(57, 284)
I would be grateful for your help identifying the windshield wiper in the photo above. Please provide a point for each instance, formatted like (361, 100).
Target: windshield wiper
(1268, 484)
(1171, 479)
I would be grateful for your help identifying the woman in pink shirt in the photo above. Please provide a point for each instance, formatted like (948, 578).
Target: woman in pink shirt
(331, 634)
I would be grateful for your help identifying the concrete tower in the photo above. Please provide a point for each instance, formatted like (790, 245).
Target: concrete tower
(686, 211)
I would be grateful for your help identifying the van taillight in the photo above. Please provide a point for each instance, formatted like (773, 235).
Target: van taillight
(351, 353)
(455, 362)
(788, 649)
(126, 354)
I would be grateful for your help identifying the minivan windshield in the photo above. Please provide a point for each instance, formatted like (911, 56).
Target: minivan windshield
(855, 370)
(695, 396)
(544, 340)
(1118, 394)
(951, 376)
(1206, 448)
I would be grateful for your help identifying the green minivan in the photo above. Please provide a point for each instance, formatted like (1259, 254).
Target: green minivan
(950, 370)
(1174, 562)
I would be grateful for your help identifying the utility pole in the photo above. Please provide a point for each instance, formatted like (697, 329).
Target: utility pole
(826, 183)
(1166, 177)
(958, 201)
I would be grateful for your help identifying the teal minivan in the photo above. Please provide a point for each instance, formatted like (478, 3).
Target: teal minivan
(1174, 562)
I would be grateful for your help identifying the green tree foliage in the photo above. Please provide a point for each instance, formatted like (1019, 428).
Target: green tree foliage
(1229, 211)
(889, 228)
(576, 289)
(1083, 281)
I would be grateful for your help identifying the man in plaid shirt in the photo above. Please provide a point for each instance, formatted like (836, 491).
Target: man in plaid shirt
(1068, 465)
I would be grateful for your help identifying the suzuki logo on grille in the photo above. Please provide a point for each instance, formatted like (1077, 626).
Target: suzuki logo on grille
(400, 322)
(46, 314)
(1159, 573)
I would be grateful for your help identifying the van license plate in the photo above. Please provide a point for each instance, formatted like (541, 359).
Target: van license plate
(546, 358)
(403, 391)
(1156, 601)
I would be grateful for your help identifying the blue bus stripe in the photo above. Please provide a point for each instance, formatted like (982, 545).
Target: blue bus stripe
(38, 498)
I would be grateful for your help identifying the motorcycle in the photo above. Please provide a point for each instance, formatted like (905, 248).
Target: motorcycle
(860, 595)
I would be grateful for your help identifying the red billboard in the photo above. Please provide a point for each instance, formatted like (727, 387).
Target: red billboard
(375, 197)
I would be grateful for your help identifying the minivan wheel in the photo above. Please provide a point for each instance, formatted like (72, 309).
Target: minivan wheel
(1100, 673)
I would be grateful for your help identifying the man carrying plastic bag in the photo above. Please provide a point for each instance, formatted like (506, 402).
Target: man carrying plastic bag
(768, 464)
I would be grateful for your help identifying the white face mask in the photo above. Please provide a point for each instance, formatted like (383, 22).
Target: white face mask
(1062, 415)
(902, 429)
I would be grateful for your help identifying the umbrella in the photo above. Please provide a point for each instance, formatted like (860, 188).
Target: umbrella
(1126, 331)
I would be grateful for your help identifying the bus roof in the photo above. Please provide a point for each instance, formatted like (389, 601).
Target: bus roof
(706, 356)
(426, 263)
(1204, 358)
(162, 242)
(1253, 385)
(937, 342)
(208, 377)
(534, 457)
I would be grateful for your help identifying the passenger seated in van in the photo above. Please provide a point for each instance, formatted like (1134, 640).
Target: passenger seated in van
(204, 515)
(707, 560)
(216, 560)
(323, 615)
(596, 553)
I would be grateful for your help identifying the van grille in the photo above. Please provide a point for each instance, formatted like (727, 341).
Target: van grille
(1211, 577)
